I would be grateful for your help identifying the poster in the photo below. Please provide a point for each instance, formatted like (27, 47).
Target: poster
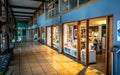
(118, 30)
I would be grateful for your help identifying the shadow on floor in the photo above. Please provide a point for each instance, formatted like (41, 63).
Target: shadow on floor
(82, 72)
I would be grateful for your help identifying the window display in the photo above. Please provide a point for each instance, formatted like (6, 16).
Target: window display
(92, 53)
(70, 39)
(55, 37)
(83, 41)
(49, 36)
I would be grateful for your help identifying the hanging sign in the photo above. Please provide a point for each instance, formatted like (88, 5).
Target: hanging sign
(118, 30)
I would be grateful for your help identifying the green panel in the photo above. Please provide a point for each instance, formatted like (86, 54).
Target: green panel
(21, 24)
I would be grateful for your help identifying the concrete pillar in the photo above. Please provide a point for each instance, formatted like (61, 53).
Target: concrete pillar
(60, 25)
(60, 39)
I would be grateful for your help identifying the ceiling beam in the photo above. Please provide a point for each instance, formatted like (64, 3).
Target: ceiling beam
(22, 20)
(40, 0)
(23, 7)
(23, 15)
(22, 12)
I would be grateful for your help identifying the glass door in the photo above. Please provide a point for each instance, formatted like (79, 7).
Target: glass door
(83, 41)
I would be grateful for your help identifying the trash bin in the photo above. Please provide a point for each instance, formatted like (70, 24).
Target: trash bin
(115, 59)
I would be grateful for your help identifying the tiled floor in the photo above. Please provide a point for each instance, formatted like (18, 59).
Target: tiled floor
(42, 60)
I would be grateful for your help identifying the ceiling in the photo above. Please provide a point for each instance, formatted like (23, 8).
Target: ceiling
(23, 10)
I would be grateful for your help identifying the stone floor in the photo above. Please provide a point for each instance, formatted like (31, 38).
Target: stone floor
(30, 59)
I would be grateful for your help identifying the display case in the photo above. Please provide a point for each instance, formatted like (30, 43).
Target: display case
(92, 56)
(49, 36)
(70, 39)
(55, 37)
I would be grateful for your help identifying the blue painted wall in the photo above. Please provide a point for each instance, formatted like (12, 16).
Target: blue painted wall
(43, 22)
(100, 8)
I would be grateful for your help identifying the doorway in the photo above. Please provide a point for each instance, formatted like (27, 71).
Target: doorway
(95, 42)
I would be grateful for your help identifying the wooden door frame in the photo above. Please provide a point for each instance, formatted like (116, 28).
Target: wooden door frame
(87, 42)
(46, 36)
(52, 36)
(62, 38)
(79, 41)
(108, 35)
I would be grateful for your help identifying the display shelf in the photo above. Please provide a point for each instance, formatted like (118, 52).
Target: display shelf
(92, 56)
(56, 45)
(71, 51)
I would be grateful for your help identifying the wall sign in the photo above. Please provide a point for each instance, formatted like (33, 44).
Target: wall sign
(118, 30)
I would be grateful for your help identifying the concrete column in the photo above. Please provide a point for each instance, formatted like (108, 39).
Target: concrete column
(60, 39)
(60, 25)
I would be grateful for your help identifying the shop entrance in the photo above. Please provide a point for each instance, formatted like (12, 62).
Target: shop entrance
(97, 43)
(55, 36)
(90, 41)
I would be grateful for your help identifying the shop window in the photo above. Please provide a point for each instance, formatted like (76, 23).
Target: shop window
(73, 3)
(52, 9)
(65, 5)
(70, 39)
(83, 1)
(49, 36)
(55, 37)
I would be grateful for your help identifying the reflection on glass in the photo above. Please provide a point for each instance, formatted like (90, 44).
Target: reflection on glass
(70, 39)
(83, 41)
(83, 1)
(52, 9)
(73, 3)
(65, 5)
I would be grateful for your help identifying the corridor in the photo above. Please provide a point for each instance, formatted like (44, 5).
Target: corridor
(33, 59)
